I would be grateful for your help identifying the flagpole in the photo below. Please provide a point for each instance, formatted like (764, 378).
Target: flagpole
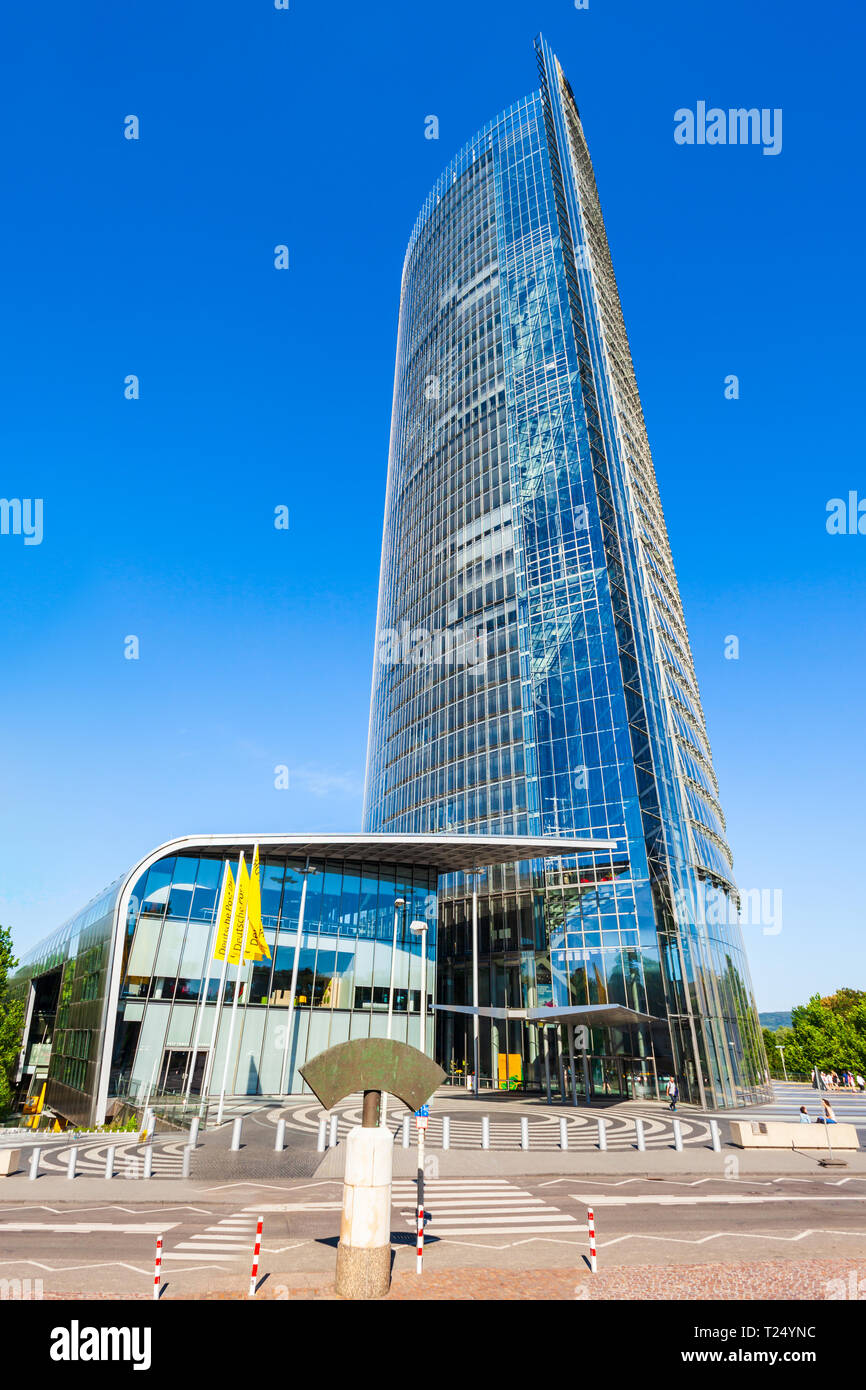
(199, 1013)
(209, 1065)
(237, 985)
(216, 1022)
(294, 984)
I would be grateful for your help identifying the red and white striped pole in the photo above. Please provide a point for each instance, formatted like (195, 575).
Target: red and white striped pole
(157, 1267)
(419, 1246)
(593, 1259)
(254, 1276)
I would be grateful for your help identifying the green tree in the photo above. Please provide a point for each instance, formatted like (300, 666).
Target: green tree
(11, 1020)
(826, 1033)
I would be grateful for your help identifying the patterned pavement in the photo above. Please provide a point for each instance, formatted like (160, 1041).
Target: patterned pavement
(505, 1132)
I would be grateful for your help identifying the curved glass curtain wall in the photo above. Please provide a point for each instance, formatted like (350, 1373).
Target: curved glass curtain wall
(79, 954)
(343, 976)
(532, 672)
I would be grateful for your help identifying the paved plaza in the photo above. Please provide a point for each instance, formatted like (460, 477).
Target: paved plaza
(502, 1222)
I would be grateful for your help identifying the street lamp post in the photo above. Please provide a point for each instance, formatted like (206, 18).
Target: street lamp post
(420, 929)
(398, 903)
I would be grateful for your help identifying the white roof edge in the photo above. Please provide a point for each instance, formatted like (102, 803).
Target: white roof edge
(558, 843)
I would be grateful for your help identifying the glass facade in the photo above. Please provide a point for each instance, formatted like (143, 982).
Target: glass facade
(137, 993)
(65, 984)
(533, 673)
(169, 991)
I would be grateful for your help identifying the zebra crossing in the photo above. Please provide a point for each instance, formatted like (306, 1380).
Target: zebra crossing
(231, 1238)
(480, 1206)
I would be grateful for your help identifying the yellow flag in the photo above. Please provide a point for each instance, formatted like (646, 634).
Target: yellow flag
(225, 920)
(257, 943)
(240, 915)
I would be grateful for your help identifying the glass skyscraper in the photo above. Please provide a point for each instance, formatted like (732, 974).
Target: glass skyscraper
(533, 673)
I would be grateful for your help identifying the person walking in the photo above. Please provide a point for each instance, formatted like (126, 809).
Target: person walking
(673, 1093)
(861, 1084)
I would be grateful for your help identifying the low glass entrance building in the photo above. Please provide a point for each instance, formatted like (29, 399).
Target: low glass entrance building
(122, 1000)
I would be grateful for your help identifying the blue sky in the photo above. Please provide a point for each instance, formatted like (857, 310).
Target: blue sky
(261, 388)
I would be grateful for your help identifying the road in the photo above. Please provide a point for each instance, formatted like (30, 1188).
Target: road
(512, 1224)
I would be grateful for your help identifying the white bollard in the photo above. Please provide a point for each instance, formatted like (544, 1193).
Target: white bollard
(602, 1135)
(716, 1136)
(364, 1252)
(332, 1138)
(109, 1161)
(280, 1141)
(187, 1159)
(193, 1130)
(563, 1134)
(640, 1140)
(446, 1131)
(405, 1131)
(485, 1131)
(236, 1133)
(148, 1160)
(524, 1133)
(34, 1163)
(320, 1142)
(678, 1137)
(70, 1164)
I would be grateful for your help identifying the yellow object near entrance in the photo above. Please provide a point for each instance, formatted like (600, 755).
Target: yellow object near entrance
(33, 1108)
(510, 1065)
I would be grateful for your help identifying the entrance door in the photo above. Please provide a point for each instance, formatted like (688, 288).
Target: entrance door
(174, 1071)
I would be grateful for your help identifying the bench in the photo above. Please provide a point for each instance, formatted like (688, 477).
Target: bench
(782, 1134)
(9, 1160)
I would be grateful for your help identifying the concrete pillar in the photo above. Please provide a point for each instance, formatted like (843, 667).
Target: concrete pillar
(364, 1252)
(446, 1131)
(280, 1140)
(195, 1122)
(236, 1133)
(109, 1161)
(639, 1134)
(34, 1163)
(571, 1063)
(320, 1142)
(187, 1159)
(715, 1136)
(546, 1046)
